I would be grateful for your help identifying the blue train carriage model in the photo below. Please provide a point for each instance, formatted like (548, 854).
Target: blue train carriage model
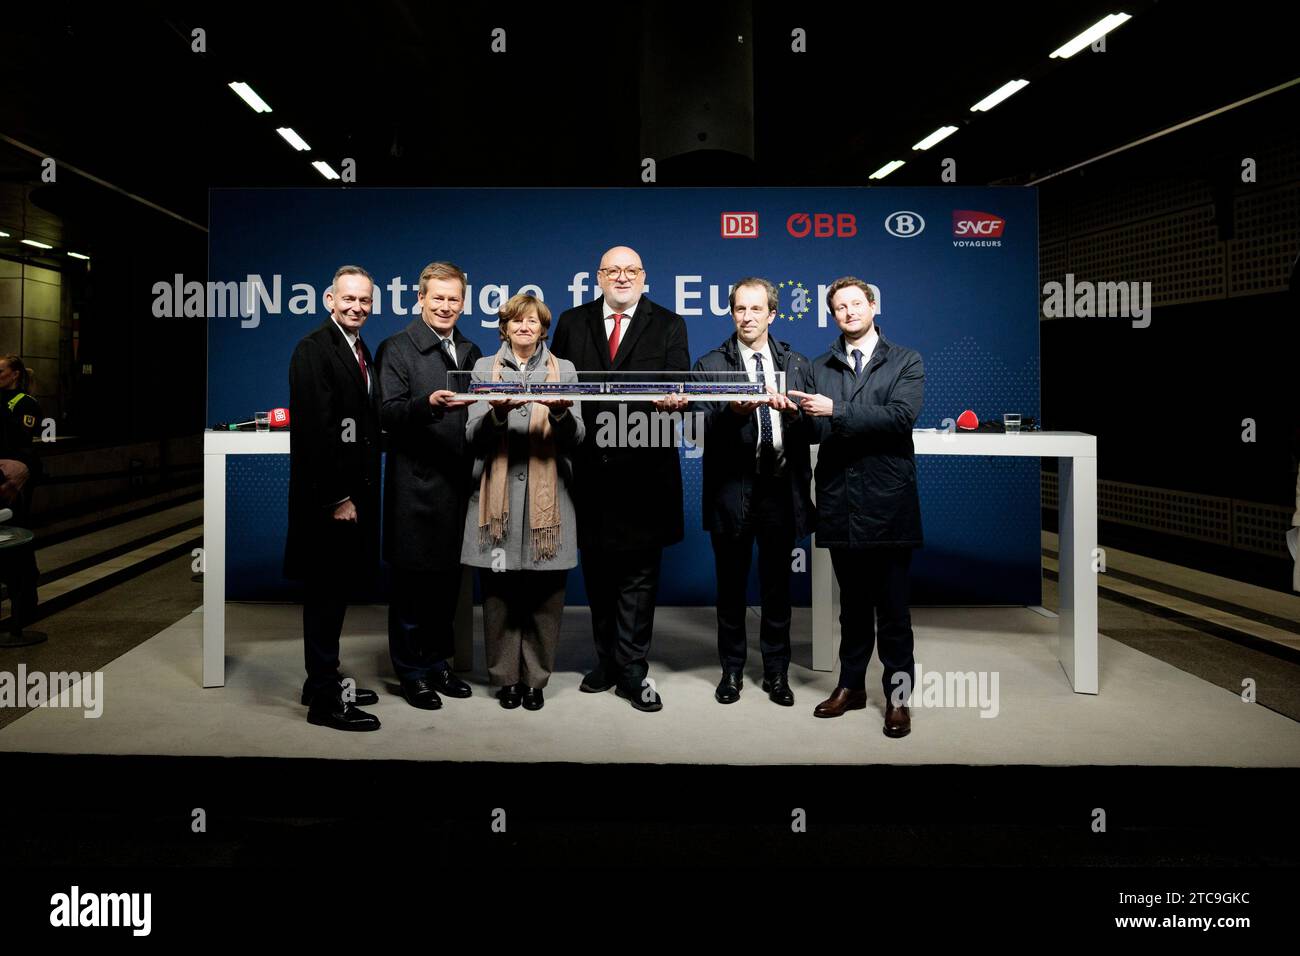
(643, 388)
(503, 387)
(578, 388)
(723, 388)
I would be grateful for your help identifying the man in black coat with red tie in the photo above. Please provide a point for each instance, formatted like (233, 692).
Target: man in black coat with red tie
(426, 486)
(629, 499)
(334, 465)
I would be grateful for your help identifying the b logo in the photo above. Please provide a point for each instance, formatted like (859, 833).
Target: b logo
(904, 224)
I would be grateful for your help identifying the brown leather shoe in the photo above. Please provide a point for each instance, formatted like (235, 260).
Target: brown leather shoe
(898, 721)
(842, 700)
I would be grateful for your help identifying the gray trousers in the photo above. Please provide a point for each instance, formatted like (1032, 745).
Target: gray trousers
(521, 624)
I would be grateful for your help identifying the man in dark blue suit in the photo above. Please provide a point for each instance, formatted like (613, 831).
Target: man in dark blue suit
(756, 481)
(868, 393)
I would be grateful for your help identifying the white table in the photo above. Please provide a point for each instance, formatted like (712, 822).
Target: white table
(1076, 453)
(216, 447)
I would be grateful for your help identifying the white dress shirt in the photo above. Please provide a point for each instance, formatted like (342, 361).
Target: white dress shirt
(867, 347)
(449, 343)
(622, 326)
(747, 356)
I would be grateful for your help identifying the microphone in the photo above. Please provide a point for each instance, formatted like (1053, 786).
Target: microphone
(967, 421)
(279, 419)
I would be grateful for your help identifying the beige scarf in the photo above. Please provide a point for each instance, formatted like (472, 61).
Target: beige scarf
(494, 496)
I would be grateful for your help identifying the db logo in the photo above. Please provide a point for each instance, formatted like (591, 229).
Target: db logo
(968, 222)
(904, 224)
(740, 225)
(279, 417)
(822, 225)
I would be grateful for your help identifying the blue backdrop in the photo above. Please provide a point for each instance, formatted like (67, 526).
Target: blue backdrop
(964, 295)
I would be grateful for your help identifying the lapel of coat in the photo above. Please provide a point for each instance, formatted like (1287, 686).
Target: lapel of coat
(596, 329)
(641, 318)
(348, 358)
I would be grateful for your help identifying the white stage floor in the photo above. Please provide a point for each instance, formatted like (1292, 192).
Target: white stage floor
(1146, 713)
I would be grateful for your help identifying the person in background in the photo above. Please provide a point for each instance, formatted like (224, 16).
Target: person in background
(20, 417)
(521, 527)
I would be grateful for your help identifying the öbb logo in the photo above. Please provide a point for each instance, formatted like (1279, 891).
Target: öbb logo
(969, 223)
(740, 225)
(822, 225)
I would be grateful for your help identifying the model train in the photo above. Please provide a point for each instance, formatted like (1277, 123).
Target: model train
(620, 388)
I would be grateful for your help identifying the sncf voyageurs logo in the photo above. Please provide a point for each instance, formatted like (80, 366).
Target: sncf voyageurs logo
(973, 228)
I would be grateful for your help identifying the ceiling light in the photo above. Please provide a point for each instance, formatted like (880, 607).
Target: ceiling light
(292, 138)
(998, 95)
(246, 94)
(323, 168)
(78, 255)
(1090, 35)
(38, 245)
(942, 133)
(886, 169)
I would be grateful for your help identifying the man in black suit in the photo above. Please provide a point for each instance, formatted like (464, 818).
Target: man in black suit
(756, 489)
(629, 500)
(426, 486)
(334, 464)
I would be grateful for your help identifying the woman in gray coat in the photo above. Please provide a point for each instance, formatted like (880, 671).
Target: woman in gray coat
(521, 526)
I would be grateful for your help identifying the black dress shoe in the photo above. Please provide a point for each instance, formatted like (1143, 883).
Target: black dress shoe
(328, 710)
(728, 691)
(597, 682)
(421, 693)
(533, 698)
(445, 682)
(641, 696)
(510, 697)
(363, 696)
(777, 688)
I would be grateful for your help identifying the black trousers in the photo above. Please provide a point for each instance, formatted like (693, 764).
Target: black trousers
(326, 590)
(19, 573)
(422, 620)
(771, 527)
(874, 610)
(622, 587)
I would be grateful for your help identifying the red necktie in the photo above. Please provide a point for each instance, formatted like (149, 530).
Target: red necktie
(365, 372)
(613, 338)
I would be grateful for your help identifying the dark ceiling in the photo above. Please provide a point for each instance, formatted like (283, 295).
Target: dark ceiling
(415, 95)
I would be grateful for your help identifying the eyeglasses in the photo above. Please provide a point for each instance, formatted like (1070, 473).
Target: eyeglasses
(632, 272)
